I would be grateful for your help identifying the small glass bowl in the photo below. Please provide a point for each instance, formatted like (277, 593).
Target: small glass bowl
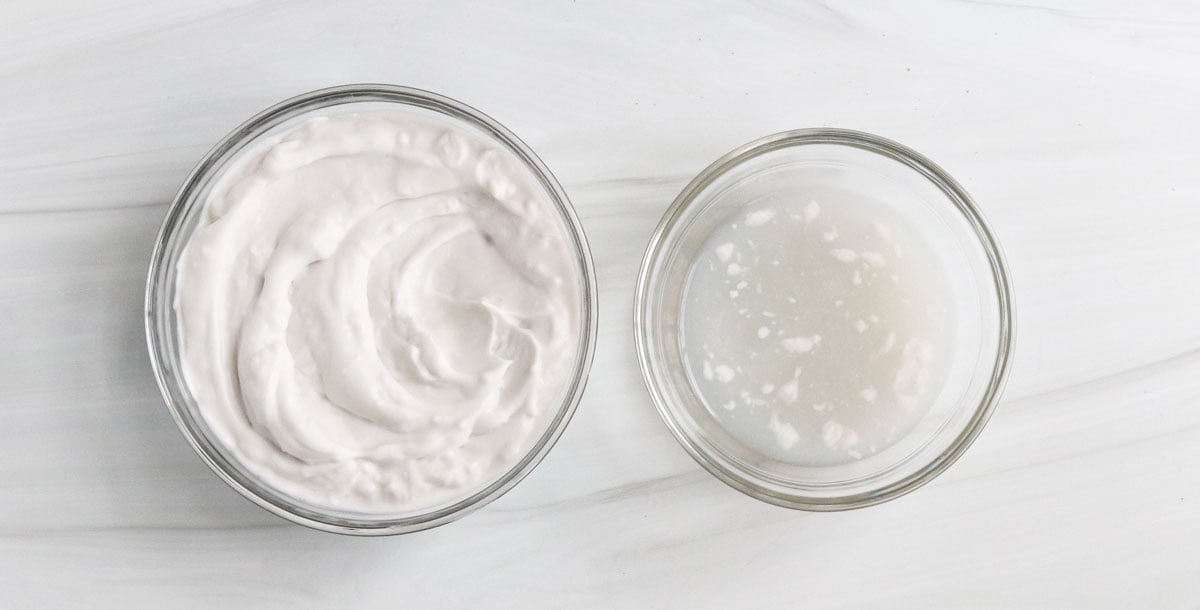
(829, 160)
(162, 330)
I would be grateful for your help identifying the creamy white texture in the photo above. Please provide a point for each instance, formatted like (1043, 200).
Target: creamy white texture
(379, 312)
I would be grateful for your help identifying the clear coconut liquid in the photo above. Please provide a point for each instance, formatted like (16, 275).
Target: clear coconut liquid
(817, 332)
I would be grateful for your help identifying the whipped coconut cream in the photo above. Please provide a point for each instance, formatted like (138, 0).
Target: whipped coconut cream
(379, 312)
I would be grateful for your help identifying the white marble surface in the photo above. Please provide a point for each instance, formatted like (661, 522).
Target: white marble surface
(1073, 124)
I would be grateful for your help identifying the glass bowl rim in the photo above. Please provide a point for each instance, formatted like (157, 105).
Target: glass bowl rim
(217, 158)
(645, 329)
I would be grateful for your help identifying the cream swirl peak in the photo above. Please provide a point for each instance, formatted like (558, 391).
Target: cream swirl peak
(379, 312)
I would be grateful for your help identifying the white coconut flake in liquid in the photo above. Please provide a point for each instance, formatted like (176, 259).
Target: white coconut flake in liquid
(817, 332)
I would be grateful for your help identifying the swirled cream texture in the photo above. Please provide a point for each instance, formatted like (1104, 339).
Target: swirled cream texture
(379, 312)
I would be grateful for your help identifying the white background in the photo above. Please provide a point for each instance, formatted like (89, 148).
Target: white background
(1074, 125)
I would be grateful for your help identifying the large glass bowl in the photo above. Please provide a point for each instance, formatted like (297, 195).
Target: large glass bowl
(162, 330)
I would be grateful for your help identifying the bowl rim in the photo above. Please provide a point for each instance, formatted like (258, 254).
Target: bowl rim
(922, 165)
(225, 151)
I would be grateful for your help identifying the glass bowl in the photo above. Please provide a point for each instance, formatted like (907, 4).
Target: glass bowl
(798, 164)
(163, 334)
